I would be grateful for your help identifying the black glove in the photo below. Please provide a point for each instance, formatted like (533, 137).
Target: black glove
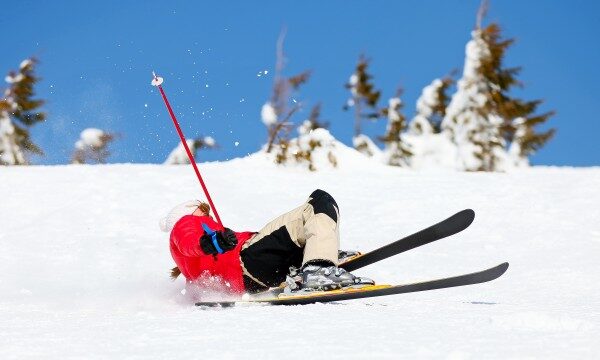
(225, 239)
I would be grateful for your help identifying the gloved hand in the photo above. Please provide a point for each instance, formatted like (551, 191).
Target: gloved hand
(225, 240)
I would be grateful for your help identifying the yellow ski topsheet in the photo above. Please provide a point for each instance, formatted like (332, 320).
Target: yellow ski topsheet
(347, 290)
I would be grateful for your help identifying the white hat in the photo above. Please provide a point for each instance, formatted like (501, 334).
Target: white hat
(187, 208)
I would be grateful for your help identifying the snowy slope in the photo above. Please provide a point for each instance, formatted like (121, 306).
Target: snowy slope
(85, 267)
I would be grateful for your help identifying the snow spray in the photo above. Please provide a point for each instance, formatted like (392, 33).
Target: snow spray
(157, 81)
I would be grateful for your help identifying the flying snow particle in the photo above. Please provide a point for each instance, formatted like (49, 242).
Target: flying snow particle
(145, 105)
(261, 73)
(236, 143)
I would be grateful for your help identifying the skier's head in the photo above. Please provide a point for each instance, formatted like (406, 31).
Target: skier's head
(192, 207)
(203, 209)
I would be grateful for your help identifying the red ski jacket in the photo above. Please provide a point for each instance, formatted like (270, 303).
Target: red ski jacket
(193, 262)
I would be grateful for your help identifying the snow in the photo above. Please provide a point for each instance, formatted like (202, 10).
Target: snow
(352, 82)
(209, 141)
(268, 114)
(25, 63)
(14, 78)
(426, 103)
(464, 122)
(429, 98)
(431, 151)
(10, 151)
(367, 146)
(90, 138)
(393, 106)
(179, 155)
(85, 267)
(515, 147)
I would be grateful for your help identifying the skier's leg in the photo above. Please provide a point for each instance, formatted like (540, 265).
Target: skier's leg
(309, 232)
(267, 256)
(321, 247)
(321, 238)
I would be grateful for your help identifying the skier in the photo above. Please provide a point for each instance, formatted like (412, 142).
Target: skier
(306, 239)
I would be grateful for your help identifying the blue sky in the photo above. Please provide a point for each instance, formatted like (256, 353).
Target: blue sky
(97, 57)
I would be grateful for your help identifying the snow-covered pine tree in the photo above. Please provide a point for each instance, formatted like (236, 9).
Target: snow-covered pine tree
(519, 119)
(396, 152)
(178, 156)
(18, 112)
(431, 107)
(470, 121)
(364, 100)
(92, 146)
(277, 112)
(314, 138)
(525, 140)
(482, 119)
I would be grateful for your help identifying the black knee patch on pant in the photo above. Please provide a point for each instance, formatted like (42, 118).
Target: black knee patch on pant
(269, 259)
(323, 203)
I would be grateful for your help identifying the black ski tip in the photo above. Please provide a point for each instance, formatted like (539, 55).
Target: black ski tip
(503, 266)
(498, 271)
(468, 215)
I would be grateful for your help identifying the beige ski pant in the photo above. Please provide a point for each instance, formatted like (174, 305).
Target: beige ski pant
(309, 232)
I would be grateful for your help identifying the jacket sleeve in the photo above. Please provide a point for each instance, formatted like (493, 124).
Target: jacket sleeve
(186, 237)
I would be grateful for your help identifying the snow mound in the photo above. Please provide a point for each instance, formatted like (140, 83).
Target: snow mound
(326, 153)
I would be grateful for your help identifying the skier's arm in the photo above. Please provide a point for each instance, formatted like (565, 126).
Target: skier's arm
(194, 242)
(186, 239)
(219, 242)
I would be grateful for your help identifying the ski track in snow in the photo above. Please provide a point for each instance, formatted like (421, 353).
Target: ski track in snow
(85, 267)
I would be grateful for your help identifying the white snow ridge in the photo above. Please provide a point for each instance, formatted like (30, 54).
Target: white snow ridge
(85, 269)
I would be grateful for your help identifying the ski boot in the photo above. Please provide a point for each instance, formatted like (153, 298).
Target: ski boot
(345, 255)
(322, 277)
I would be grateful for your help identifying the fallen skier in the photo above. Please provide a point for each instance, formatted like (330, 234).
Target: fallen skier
(304, 241)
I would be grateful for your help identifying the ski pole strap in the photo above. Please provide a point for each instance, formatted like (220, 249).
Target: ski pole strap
(213, 235)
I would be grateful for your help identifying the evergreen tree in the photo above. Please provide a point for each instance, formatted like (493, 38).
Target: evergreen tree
(314, 137)
(397, 152)
(92, 147)
(519, 119)
(482, 119)
(364, 100)
(431, 107)
(18, 112)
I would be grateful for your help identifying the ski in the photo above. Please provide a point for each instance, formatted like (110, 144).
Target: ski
(450, 226)
(280, 298)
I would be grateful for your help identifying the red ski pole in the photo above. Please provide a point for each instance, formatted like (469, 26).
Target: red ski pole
(157, 81)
